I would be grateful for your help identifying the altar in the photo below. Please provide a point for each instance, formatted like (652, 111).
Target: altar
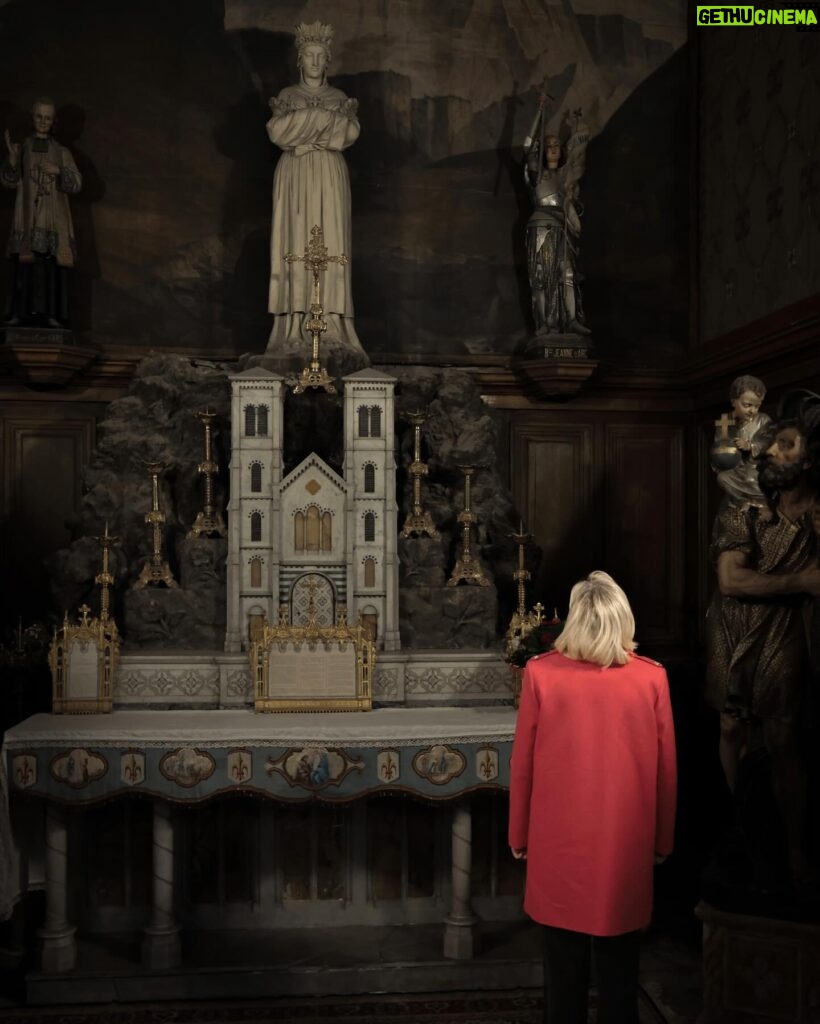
(179, 759)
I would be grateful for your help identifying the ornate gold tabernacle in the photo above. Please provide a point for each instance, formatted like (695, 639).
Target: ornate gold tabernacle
(311, 667)
(82, 659)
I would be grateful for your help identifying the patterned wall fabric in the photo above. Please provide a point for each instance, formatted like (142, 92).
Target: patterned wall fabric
(759, 173)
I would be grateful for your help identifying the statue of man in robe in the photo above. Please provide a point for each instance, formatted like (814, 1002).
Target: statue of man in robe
(312, 123)
(757, 642)
(41, 245)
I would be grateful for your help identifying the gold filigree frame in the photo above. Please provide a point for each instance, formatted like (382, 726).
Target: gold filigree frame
(102, 633)
(316, 638)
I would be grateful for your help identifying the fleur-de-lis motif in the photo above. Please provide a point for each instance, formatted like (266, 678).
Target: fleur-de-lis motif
(132, 770)
(239, 769)
(23, 773)
(388, 767)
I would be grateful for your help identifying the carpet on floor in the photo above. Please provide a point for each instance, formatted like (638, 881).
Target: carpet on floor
(457, 1008)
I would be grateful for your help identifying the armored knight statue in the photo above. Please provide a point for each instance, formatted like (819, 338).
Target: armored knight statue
(41, 245)
(313, 124)
(552, 173)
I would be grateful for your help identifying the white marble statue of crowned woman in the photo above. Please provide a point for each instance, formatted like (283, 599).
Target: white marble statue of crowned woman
(312, 123)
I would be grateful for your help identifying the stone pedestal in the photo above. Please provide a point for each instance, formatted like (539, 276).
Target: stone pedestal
(461, 924)
(448, 617)
(58, 950)
(202, 565)
(758, 970)
(422, 561)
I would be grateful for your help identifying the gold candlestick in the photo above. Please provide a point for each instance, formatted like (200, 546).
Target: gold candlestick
(208, 522)
(522, 621)
(156, 570)
(104, 578)
(521, 576)
(467, 568)
(418, 521)
(316, 259)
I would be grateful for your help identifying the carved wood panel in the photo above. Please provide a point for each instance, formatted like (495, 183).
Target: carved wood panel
(644, 526)
(43, 459)
(554, 482)
(599, 494)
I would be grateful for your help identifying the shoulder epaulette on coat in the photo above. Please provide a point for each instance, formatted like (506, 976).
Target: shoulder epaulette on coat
(649, 661)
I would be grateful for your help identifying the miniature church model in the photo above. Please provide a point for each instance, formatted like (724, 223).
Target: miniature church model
(312, 543)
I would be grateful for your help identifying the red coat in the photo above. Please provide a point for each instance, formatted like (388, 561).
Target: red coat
(592, 790)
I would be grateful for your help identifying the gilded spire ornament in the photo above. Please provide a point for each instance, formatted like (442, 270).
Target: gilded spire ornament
(104, 578)
(467, 568)
(522, 621)
(316, 259)
(156, 570)
(209, 521)
(418, 522)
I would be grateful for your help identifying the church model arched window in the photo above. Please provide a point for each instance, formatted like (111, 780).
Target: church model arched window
(369, 572)
(256, 572)
(369, 478)
(256, 477)
(256, 526)
(262, 420)
(312, 530)
(364, 421)
(299, 531)
(250, 421)
(369, 526)
(375, 421)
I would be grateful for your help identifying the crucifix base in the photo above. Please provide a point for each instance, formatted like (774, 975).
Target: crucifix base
(289, 346)
(314, 377)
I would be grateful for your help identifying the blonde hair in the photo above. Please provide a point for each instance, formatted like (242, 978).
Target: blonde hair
(600, 626)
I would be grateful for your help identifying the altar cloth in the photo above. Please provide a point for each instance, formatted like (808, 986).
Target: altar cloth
(405, 726)
(189, 756)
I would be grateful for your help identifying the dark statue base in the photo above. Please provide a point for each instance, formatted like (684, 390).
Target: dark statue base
(758, 970)
(749, 871)
(559, 364)
(44, 355)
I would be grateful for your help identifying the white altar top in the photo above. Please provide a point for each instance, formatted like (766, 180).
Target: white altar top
(243, 727)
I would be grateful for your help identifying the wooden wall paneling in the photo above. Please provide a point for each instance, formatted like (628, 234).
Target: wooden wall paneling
(44, 454)
(554, 484)
(708, 499)
(645, 539)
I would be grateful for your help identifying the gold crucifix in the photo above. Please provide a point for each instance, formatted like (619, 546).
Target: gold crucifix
(311, 585)
(316, 258)
(723, 425)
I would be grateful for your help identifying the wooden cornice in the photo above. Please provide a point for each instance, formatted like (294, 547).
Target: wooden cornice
(783, 348)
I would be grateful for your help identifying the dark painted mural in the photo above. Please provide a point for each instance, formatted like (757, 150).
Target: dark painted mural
(164, 107)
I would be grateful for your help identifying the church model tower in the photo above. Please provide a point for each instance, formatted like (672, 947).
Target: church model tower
(312, 537)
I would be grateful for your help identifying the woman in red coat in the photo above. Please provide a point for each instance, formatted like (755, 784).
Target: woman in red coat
(592, 801)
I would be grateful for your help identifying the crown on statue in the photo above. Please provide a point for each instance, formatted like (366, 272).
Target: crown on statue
(317, 32)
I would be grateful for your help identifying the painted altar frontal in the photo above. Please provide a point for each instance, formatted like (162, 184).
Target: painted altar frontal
(431, 753)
